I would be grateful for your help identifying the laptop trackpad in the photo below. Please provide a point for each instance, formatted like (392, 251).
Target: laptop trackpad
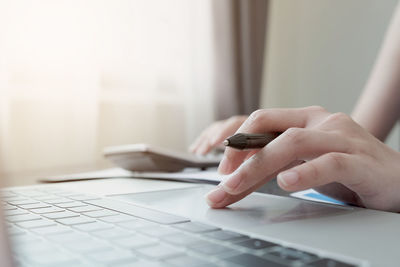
(254, 210)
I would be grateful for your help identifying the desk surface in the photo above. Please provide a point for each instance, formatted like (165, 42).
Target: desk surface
(32, 177)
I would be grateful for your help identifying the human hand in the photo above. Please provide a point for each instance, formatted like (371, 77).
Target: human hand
(341, 158)
(217, 132)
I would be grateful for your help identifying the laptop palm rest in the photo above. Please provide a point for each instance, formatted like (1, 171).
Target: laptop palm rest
(254, 210)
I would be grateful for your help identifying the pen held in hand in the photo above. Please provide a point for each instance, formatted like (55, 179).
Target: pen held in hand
(249, 141)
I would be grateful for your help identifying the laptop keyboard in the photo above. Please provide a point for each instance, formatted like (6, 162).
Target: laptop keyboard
(53, 227)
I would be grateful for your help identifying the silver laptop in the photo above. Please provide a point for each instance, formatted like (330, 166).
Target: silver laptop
(139, 222)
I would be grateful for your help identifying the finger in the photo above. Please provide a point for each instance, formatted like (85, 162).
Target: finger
(229, 164)
(326, 169)
(202, 141)
(265, 121)
(218, 198)
(204, 147)
(251, 153)
(295, 144)
(227, 129)
(195, 145)
(219, 133)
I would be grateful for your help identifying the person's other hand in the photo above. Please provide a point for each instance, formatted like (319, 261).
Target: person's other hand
(341, 159)
(217, 132)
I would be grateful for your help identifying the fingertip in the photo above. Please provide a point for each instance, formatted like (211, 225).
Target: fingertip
(231, 184)
(192, 149)
(216, 197)
(215, 205)
(287, 180)
(204, 147)
(203, 150)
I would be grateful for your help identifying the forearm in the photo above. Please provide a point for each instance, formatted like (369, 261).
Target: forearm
(379, 105)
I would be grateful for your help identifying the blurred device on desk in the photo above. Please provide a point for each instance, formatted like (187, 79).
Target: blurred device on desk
(147, 158)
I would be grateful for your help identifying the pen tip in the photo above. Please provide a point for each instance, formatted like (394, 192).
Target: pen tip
(226, 142)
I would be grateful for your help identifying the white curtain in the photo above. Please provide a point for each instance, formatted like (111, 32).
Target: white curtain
(79, 75)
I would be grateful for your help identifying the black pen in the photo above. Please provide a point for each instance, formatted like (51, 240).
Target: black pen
(249, 141)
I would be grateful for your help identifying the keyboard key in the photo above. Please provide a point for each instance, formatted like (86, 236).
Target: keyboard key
(72, 204)
(95, 226)
(134, 225)
(35, 247)
(100, 213)
(54, 258)
(46, 197)
(135, 241)
(113, 257)
(181, 239)
(118, 218)
(65, 193)
(35, 224)
(30, 193)
(195, 227)
(290, 255)
(22, 201)
(6, 194)
(144, 213)
(9, 207)
(15, 212)
(15, 231)
(75, 220)
(209, 248)
(253, 261)
(83, 197)
(157, 231)
(330, 263)
(34, 206)
(85, 208)
(56, 229)
(159, 252)
(68, 237)
(22, 239)
(23, 217)
(5, 199)
(46, 210)
(144, 263)
(255, 244)
(58, 200)
(224, 235)
(188, 261)
(88, 246)
(111, 233)
(60, 215)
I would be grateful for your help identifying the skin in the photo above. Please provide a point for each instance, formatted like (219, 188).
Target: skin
(341, 158)
(378, 107)
(213, 135)
(336, 154)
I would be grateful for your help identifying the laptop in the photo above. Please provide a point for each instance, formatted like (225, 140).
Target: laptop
(142, 222)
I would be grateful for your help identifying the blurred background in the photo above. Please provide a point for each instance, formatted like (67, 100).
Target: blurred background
(79, 75)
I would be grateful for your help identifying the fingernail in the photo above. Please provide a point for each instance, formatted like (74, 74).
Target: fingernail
(216, 196)
(232, 183)
(288, 178)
